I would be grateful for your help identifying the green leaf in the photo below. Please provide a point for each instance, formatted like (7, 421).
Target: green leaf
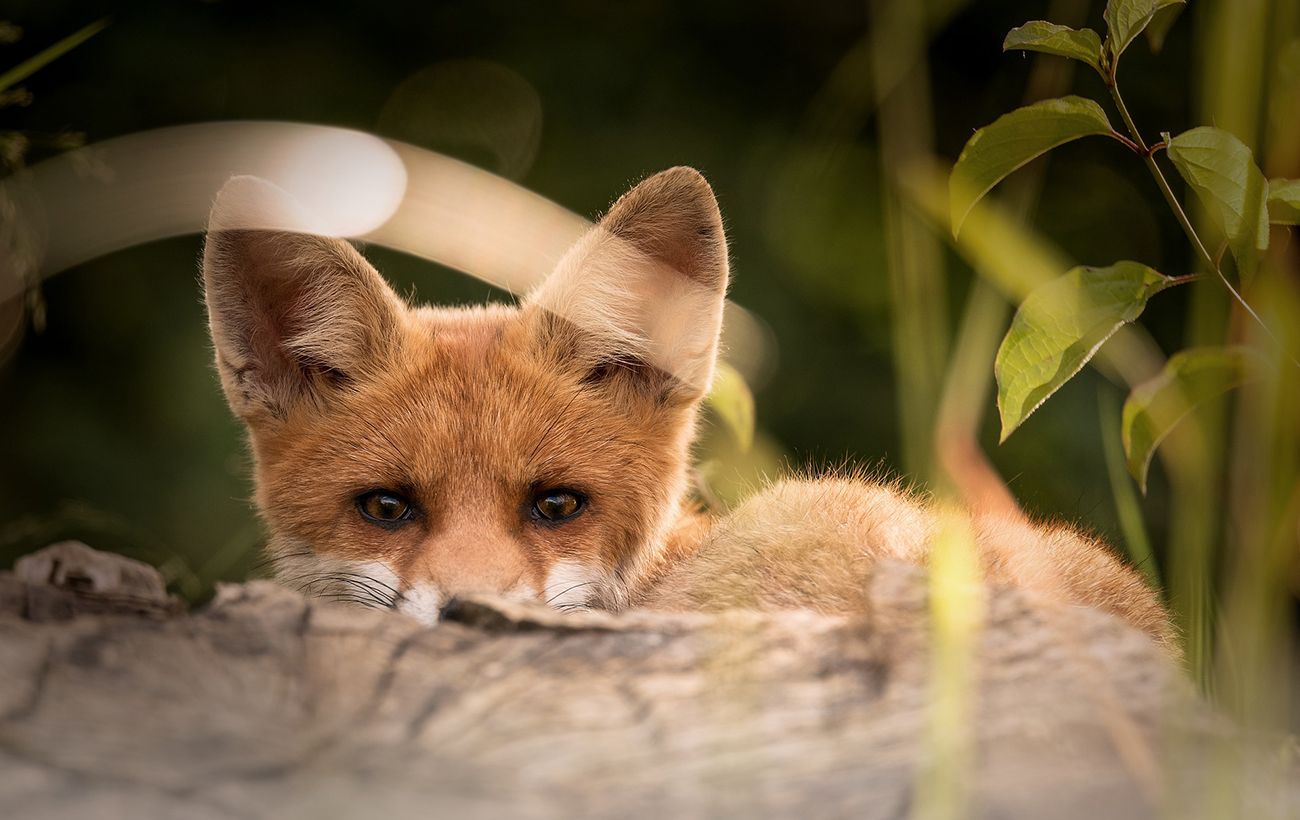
(1014, 139)
(1126, 19)
(1284, 201)
(1222, 171)
(1059, 327)
(1161, 22)
(1049, 38)
(1190, 377)
(732, 400)
(35, 63)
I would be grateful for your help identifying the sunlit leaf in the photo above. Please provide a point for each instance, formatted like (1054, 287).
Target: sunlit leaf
(1222, 171)
(35, 63)
(1189, 378)
(1049, 38)
(1161, 22)
(1059, 327)
(732, 400)
(1014, 139)
(1126, 19)
(1284, 201)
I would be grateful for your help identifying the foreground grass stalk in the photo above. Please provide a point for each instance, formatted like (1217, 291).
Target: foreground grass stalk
(957, 609)
(917, 287)
(1127, 507)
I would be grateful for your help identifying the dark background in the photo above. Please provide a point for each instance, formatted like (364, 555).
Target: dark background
(115, 430)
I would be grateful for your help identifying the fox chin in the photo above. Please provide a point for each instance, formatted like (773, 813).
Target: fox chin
(406, 454)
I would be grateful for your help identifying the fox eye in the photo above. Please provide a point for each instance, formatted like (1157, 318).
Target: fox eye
(558, 505)
(384, 507)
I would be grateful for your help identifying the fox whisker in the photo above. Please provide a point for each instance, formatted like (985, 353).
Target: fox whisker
(384, 601)
(375, 582)
(575, 607)
(563, 592)
(348, 599)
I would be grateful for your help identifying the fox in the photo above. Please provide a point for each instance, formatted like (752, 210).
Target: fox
(405, 455)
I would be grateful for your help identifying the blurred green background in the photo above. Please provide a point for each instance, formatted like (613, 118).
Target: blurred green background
(115, 428)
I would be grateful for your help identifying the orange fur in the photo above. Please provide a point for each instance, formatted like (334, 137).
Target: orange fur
(592, 384)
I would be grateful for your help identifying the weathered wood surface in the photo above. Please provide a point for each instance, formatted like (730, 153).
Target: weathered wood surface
(266, 704)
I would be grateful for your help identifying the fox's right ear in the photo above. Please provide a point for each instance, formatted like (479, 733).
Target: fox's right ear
(294, 316)
(646, 286)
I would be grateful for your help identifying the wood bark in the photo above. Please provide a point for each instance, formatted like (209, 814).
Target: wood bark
(267, 704)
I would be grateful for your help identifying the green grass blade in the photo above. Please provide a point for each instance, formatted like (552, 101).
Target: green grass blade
(36, 62)
(1127, 507)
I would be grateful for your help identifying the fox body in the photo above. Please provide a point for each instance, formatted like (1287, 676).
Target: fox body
(404, 455)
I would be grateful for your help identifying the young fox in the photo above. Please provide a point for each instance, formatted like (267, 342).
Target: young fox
(541, 451)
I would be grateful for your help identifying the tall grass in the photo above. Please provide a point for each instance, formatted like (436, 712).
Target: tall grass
(1232, 555)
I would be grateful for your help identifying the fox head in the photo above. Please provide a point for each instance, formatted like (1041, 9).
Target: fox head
(404, 455)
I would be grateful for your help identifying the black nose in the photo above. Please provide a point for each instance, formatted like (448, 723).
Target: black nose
(485, 614)
(453, 609)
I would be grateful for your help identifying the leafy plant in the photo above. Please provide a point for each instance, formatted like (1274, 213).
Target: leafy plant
(14, 146)
(1060, 326)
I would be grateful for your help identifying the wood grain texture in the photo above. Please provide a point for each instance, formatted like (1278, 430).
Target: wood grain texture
(266, 704)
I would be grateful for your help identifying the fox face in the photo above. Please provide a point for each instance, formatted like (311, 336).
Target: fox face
(404, 455)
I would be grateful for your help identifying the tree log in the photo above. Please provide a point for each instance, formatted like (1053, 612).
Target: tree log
(267, 704)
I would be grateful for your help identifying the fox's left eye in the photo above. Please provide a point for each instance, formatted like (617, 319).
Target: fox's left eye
(558, 505)
(384, 507)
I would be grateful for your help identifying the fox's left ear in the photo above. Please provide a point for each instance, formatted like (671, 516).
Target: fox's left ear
(647, 284)
(295, 317)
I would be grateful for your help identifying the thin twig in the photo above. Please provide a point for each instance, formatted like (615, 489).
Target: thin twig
(1128, 143)
(1183, 220)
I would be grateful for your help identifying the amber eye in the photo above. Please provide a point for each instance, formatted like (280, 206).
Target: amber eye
(384, 507)
(558, 505)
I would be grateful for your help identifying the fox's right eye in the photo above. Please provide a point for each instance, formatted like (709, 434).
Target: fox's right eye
(384, 507)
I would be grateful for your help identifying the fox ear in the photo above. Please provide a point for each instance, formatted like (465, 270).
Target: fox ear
(294, 316)
(647, 284)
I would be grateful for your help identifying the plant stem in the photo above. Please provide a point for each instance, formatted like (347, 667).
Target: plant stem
(1176, 206)
(1127, 143)
(1163, 183)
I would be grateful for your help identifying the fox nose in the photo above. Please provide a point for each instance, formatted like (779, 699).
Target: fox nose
(482, 615)
(453, 609)
(449, 608)
(429, 611)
